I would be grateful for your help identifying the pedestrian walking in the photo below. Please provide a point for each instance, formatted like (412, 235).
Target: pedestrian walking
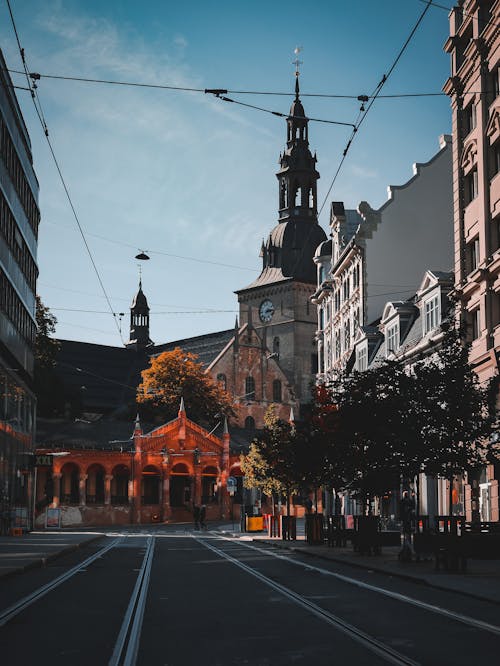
(203, 513)
(196, 517)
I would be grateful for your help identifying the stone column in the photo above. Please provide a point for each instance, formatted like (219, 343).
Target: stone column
(56, 478)
(166, 492)
(197, 485)
(82, 494)
(107, 489)
(137, 482)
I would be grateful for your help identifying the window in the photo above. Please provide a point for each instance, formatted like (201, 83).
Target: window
(470, 118)
(475, 323)
(250, 388)
(431, 314)
(494, 159)
(276, 345)
(337, 345)
(392, 338)
(250, 423)
(221, 380)
(362, 358)
(471, 186)
(347, 335)
(276, 390)
(473, 251)
(493, 84)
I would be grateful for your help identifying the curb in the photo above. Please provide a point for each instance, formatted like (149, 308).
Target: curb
(41, 562)
(396, 574)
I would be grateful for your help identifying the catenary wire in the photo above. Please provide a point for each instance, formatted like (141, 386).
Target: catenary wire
(35, 98)
(214, 91)
(449, 9)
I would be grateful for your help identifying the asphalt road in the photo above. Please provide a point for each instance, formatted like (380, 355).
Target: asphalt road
(168, 598)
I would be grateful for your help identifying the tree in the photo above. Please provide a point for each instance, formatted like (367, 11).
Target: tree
(177, 374)
(274, 456)
(48, 387)
(457, 413)
(258, 473)
(46, 347)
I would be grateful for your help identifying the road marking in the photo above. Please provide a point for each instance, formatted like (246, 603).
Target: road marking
(15, 609)
(353, 632)
(134, 615)
(459, 617)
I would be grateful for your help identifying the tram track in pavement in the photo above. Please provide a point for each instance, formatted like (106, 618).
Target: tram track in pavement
(399, 618)
(125, 642)
(404, 598)
(387, 653)
(9, 613)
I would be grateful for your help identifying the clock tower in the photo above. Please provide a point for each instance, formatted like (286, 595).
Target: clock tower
(280, 296)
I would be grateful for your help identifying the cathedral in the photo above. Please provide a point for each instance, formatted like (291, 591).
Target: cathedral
(99, 464)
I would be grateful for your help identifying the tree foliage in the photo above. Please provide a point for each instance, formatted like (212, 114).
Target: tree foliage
(46, 346)
(175, 374)
(48, 387)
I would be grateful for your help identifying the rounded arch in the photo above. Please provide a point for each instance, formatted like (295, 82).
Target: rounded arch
(250, 423)
(69, 488)
(209, 486)
(150, 485)
(94, 484)
(120, 484)
(180, 468)
(180, 485)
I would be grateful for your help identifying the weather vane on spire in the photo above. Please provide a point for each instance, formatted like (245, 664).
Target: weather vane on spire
(297, 62)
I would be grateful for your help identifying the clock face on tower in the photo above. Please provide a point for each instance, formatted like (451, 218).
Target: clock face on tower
(266, 310)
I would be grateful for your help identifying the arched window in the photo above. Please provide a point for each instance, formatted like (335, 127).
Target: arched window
(209, 485)
(94, 486)
(180, 485)
(150, 485)
(119, 485)
(70, 475)
(222, 381)
(250, 388)
(276, 390)
(276, 347)
(250, 423)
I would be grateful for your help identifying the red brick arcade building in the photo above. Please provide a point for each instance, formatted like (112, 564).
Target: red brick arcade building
(151, 477)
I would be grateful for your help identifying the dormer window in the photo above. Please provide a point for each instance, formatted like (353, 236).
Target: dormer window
(362, 358)
(392, 338)
(432, 314)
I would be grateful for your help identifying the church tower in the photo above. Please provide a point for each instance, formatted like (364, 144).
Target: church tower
(139, 322)
(281, 294)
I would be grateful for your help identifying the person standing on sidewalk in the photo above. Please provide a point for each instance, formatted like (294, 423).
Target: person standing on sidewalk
(203, 513)
(196, 517)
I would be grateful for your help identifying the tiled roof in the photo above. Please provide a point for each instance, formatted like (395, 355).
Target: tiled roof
(206, 347)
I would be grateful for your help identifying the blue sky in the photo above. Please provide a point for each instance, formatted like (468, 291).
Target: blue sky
(190, 178)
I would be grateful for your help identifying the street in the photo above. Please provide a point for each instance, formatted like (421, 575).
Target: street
(173, 596)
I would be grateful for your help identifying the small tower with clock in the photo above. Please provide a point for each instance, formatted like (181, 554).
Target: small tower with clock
(281, 294)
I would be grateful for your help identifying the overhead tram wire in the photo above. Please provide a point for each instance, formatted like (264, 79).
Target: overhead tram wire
(449, 9)
(362, 113)
(39, 111)
(36, 76)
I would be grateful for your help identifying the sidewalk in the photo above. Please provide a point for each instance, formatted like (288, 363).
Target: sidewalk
(481, 581)
(36, 549)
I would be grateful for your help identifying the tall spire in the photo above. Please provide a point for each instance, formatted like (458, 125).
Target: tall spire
(139, 321)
